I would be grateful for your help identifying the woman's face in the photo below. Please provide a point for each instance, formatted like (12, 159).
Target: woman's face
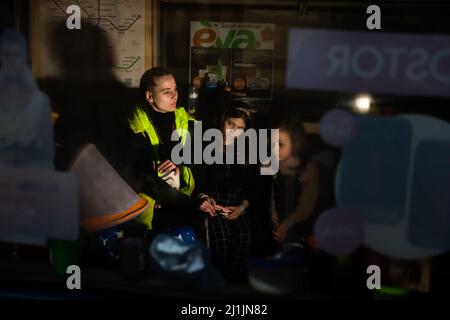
(12, 59)
(284, 145)
(163, 97)
(233, 128)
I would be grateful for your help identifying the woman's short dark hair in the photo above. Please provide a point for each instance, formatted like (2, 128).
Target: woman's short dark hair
(236, 109)
(149, 78)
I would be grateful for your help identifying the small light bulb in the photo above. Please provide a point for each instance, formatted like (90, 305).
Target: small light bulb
(362, 103)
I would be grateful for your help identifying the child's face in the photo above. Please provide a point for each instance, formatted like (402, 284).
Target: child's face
(233, 128)
(285, 146)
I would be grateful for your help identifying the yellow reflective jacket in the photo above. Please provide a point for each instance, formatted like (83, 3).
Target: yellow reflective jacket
(140, 123)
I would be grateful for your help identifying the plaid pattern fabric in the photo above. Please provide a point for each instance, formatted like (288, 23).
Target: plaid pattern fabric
(226, 199)
(229, 239)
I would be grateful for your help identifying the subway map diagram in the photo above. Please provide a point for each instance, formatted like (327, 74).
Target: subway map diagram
(122, 20)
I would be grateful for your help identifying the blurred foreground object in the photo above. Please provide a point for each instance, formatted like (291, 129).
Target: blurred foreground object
(394, 176)
(188, 264)
(106, 199)
(284, 273)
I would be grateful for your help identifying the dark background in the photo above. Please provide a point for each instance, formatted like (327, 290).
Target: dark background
(408, 16)
(397, 16)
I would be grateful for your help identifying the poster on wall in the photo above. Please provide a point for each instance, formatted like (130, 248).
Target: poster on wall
(123, 21)
(240, 54)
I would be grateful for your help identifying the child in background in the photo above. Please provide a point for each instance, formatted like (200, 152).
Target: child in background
(295, 186)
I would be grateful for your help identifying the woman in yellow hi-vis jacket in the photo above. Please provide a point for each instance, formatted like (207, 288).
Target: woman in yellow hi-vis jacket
(166, 186)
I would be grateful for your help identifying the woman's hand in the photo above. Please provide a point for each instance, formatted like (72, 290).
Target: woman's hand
(168, 166)
(208, 204)
(222, 210)
(212, 201)
(219, 209)
(207, 207)
(235, 213)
